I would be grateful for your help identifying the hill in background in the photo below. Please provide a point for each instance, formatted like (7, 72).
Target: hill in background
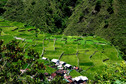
(104, 18)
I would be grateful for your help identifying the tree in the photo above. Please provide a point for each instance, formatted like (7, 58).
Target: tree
(112, 74)
(58, 80)
(12, 62)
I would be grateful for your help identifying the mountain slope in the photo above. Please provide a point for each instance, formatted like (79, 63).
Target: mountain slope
(48, 15)
(104, 18)
(90, 53)
(2, 3)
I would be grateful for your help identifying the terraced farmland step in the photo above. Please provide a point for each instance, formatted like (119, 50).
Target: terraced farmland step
(93, 51)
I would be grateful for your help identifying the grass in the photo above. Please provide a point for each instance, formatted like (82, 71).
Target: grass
(69, 50)
(53, 52)
(52, 56)
(28, 40)
(84, 60)
(50, 46)
(49, 69)
(59, 44)
(6, 38)
(70, 59)
(18, 24)
(74, 73)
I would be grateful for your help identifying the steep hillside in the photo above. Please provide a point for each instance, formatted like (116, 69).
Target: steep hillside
(48, 15)
(2, 3)
(90, 53)
(104, 18)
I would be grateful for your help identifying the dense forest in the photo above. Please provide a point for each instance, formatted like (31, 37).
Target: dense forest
(104, 18)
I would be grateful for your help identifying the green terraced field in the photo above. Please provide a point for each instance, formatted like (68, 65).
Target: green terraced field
(70, 59)
(87, 53)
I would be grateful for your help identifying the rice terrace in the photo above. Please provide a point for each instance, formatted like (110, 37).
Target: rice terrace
(89, 53)
(62, 42)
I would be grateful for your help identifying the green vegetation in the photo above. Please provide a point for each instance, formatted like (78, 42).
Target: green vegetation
(103, 18)
(70, 59)
(74, 73)
(73, 17)
(13, 59)
(89, 53)
(113, 73)
(89, 20)
(2, 3)
(49, 16)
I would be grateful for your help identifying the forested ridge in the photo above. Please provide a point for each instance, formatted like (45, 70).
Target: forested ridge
(97, 17)
(49, 16)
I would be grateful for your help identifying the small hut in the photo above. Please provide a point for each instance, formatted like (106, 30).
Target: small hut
(55, 61)
(59, 67)
(19, 38)
(80, 79)
(68, 66)
(44, 58)
(62, 62)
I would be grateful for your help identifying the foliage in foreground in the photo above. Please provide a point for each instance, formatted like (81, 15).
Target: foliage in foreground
(12, 60)
(112, 74)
